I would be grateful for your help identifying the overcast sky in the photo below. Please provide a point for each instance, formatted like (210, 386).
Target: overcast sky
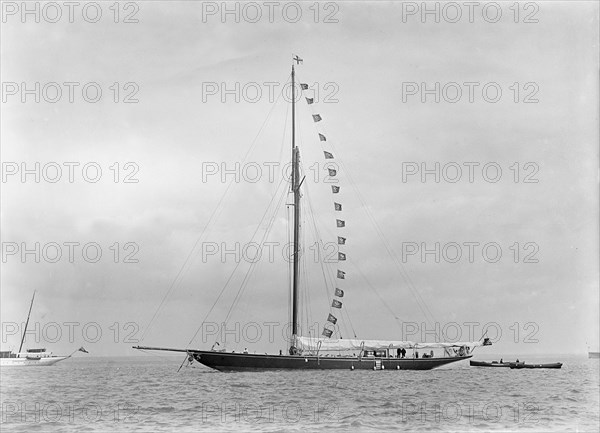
(180, 61)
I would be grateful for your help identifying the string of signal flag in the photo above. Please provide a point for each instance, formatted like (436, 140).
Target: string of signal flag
(340, 223)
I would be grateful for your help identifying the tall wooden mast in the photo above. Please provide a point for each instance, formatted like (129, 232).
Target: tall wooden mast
(296, 191)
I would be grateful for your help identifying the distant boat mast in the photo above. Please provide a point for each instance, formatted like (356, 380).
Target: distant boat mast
(26, 323)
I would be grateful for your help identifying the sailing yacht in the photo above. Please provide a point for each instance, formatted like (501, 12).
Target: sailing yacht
(314, 353)
(31, 357)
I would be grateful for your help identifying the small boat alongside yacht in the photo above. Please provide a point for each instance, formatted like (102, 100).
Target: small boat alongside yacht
(520, 365)
(489, 364)
(514, 365)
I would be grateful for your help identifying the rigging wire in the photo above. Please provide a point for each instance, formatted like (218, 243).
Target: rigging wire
(289, 268)
(272, 219)
(235, 269)
(214, 214)
(411, 285)
(254, 264)
(288, 219)
(326, 268)
(306, 286)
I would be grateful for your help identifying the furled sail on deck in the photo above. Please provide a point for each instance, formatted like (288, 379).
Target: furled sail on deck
(311, 343)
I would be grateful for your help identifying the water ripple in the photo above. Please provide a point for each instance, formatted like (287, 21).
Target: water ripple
(147, 394)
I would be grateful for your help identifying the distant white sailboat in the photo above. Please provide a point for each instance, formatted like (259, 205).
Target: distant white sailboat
(31, 357)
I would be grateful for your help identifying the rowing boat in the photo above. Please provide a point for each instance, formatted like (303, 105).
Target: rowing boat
(519, 365)
(489, 364)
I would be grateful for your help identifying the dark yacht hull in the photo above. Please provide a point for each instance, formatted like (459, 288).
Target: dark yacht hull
(253, 362)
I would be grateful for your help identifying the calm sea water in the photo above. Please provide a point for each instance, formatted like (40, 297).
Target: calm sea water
(147, 394)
